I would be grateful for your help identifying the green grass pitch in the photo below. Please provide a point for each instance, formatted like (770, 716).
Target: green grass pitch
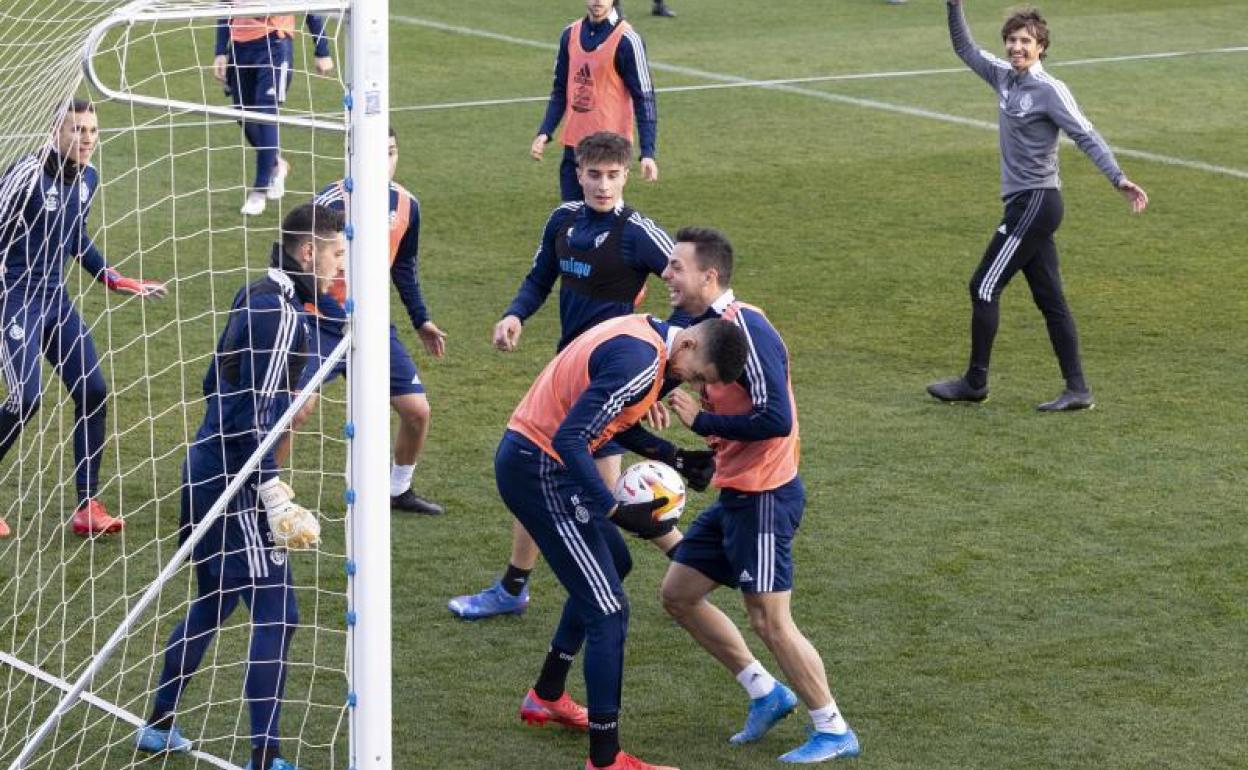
(989, 587)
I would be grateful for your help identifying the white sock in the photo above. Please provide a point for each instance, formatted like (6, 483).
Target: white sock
(756, 681)
(828, 719)
(401, 478)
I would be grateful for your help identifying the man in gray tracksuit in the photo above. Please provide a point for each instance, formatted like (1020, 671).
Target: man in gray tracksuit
(1033, 106)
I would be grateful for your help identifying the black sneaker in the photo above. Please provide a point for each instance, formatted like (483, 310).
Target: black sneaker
(410, 502)
(1069, 401)
(661, 9)
(957, 390)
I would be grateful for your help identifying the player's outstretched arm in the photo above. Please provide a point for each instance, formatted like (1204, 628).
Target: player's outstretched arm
(139, 287)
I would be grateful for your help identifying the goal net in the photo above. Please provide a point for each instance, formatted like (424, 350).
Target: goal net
(85, 620)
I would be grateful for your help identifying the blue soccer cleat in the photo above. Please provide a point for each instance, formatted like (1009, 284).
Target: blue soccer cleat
(489, 602)
(821, 747)
(153, 740)
(277, 764)
(764, 713)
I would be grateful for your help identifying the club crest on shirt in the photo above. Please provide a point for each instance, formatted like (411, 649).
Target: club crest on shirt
(16, 333)
(83, 193)
(1025, 104)
(51, 199)
(277, 556)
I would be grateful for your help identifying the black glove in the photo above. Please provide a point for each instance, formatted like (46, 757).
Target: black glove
(638, 518)
(697, 466)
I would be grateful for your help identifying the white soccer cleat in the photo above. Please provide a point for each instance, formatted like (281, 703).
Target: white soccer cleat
(277, 183)
(254, 205)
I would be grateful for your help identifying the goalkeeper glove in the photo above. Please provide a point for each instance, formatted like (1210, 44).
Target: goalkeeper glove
(638, 518)
(293, 526)
(696, 465)
(117, 282)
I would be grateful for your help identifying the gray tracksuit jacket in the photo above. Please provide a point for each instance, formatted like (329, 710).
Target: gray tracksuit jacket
(1033, 106)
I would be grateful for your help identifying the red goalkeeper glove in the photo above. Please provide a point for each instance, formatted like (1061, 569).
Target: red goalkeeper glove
(117, 282)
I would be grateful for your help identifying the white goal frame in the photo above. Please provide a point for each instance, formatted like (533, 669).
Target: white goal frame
(366, 347)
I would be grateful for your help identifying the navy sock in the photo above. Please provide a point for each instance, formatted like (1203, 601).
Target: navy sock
(554, 677)
(604, 737)
(515, 579)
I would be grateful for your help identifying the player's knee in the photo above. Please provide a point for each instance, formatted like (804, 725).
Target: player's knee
(675, 602)
(413, 410)
(93, 394)
(769, 626)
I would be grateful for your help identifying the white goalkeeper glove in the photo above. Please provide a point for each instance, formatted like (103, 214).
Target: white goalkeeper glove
(293, 526)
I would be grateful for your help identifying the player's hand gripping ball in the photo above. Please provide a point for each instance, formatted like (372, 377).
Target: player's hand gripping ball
(650, 480)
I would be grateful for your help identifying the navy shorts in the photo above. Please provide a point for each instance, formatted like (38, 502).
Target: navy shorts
(745, 539)
(404, 377)
(584, 550)
(259, 72)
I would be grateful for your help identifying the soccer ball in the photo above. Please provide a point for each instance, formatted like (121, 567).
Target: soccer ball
(650, 480)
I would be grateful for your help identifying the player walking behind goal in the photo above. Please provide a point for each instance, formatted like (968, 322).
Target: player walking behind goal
(45, 201)
(1034, 105)
(244, 555)
(254, 56)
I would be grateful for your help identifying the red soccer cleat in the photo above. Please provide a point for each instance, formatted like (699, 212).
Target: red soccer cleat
(626, 761)
(564, 711)
(93, 519)
(4, 529)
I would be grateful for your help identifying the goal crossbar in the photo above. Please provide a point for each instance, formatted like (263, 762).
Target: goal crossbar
(141, 11)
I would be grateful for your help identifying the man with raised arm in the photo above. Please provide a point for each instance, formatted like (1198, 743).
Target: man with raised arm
(1033, 106)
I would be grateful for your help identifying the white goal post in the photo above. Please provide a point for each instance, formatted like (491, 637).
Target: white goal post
(362, 122)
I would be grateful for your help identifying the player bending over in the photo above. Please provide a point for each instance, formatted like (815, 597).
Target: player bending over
(45, 201)
(745, 539)
(601, 251)
(596, 389)
(244, 555)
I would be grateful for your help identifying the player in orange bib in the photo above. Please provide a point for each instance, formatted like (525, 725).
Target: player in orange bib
(745, 539)
(602, 83)
(596, 390)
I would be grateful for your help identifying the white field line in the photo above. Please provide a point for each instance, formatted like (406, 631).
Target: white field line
(788, 86)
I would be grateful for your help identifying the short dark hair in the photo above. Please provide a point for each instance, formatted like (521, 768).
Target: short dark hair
(725, 345)
(712, 248)
(1029, 18)
(77, 105)
(307, 221)
(603, 147)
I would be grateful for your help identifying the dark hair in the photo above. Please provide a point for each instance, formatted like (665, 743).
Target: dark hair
(603, 147)
(77, 105)
(307, 221)
(724, 345)
(393, 135)
(713, 249)
(1029, 18)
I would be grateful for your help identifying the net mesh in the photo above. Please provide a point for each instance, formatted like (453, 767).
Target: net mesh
(167, 208)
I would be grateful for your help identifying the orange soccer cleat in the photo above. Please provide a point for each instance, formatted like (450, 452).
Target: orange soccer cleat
(564, 711)
(93, 519)
(625, 761)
